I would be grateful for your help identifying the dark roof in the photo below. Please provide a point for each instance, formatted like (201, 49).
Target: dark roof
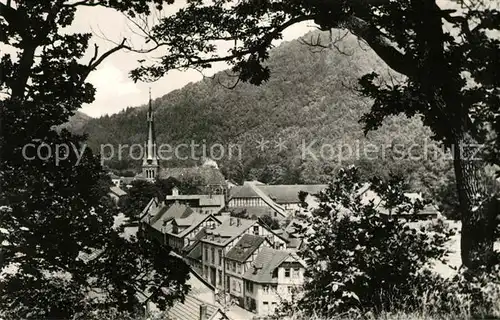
(262, 268)
(245, 247)
(208, 175)
(175, 211)
(196, 251)
(279, 193)
(228, 230)
(290, 193)
(118, 191)
(190, 309)
(200, 235)
(245, 191)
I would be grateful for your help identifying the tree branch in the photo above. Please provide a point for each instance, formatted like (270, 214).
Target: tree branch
(88, 3)
(94, 62)
(381, 45)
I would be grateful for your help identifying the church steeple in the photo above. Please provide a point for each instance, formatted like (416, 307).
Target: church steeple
(150, 163)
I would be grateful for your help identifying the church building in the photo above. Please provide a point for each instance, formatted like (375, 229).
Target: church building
(208, 175)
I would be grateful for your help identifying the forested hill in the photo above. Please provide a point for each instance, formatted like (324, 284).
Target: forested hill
(310, 97)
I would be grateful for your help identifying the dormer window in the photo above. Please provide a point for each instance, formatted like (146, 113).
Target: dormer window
(275, 273)
(287, 272)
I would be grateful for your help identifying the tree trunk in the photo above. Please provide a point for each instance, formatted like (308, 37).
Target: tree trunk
(478, 211)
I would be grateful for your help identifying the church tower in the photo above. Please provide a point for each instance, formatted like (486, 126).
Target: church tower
(150, 163)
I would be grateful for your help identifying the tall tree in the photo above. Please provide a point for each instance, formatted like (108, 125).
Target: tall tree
(448, 59)
(61, 256)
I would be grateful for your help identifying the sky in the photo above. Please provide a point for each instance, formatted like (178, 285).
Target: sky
(115, 90)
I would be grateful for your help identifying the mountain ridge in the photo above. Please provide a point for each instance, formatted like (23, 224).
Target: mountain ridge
(310, 96)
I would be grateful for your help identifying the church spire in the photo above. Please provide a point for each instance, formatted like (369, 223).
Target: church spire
(150, 163)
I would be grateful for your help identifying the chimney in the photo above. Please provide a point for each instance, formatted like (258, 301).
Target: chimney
(203, 312)
(175, 191)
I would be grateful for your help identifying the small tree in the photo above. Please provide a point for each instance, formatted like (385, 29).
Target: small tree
(270, 221)
(362, 259)
(137, 198)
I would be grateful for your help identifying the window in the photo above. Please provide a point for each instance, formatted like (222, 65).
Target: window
(274, 288)
(256, 230)
(213, 256)
(206, 254)
(206, 272)
(275, 273)
(238, 287)
(296, 273)
(287, 272)
(237, 269)
(289, 289)
(265, 288)
(220, 257)
(266, 307)
(249, 286)
(219, 278)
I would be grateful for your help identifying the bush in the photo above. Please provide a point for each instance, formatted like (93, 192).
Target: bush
(362, 260)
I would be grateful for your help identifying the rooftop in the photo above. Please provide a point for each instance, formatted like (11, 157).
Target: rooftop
(228, 230)
(290, 193)
(204, 199)
(190, 309)
(245, 247)
(207, 175)
(191, 222)
(200, 235)
(118, 191)
(262, 268)
(279, 193)
(195, 252)
(165, 214)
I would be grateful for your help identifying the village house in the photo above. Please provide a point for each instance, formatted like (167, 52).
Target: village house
(155, 220)
(274, 276)
(201, 203)
(238, 261)
(192, 253)
(181, 232)
(250, 199)
(277, 201)
(287, 196)
(116, 193)
(218, 241)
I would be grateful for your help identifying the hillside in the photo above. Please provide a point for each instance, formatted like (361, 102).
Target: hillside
(77, 122)
(310, 99)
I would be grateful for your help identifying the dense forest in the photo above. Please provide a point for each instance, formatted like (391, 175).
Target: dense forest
(310, 99)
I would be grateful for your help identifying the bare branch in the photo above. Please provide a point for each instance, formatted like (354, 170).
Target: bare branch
(332, 44)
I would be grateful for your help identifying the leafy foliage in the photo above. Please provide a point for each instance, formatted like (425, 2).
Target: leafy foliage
(363, 260)
(61, 255)
(270, 221)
